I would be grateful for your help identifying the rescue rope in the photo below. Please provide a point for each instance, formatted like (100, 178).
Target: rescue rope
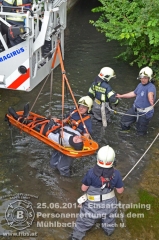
(58, 52)
(121, 113)
(51, 87)
(65, 81)
(37, 97)
(141, 156)
(119, 202)
(51, 84)
(39, 92)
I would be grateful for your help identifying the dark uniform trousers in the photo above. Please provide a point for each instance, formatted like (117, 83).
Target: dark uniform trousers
(61, 162)
(140, 118)
(93, 211)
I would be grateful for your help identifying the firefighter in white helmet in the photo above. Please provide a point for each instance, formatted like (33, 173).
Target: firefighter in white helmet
(59, 160)
(99, 201)
(101, 91)
(142, 110)
(84, 106)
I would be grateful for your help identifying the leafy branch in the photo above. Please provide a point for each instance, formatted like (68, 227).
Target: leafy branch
(135, 25)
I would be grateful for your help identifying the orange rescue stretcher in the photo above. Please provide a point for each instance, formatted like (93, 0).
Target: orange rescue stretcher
(89, 148)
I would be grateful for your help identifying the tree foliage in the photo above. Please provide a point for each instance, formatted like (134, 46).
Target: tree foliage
(135, 24)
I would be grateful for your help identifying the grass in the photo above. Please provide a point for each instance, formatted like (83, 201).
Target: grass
(145, 223)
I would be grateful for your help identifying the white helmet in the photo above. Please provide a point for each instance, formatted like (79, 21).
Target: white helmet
(105, 157)
(106, 74)
(86, 101)
(146, 72)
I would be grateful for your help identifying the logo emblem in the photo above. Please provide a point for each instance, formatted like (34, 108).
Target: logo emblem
(20, 214)
(142, 93)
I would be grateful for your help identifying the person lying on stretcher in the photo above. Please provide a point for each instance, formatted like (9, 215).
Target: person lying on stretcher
(51, 129)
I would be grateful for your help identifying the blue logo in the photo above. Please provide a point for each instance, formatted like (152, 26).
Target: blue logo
(12, 54)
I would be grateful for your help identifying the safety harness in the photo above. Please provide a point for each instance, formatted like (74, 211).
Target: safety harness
(106, 182)
(75, 123)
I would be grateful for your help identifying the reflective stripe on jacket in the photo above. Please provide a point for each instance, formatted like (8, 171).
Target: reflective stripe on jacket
(19, 2)
(16, 20)
(10, 2)
(102, 91)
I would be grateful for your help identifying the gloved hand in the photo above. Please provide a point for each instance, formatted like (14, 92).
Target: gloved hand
(116, 103)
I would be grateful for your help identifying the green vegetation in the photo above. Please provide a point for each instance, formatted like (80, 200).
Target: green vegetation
(147, 217)
(135, 24)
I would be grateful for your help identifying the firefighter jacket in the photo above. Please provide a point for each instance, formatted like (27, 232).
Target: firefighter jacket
(102, 91)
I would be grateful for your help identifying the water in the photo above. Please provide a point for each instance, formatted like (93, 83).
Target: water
(24, 160)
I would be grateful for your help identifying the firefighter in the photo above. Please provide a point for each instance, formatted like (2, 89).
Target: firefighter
(15, 20)
(142, 110)
(73, 119)
(99, 202)
(101, 92)
(59, 161)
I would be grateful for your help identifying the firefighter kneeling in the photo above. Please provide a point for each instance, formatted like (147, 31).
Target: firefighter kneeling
(99, 183)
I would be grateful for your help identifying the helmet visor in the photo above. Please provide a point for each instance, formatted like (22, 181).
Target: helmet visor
(83, 102)
(144, 73)
(108, 77)
(143, 76)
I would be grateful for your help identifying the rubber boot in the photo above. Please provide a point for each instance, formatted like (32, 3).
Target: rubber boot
(108, 234)
(13, 113)
(26, 110)
(71, 238)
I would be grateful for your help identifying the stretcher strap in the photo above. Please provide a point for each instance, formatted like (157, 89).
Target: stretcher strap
(40, 123)
(37, 122)
(75, 123)
(53, 129)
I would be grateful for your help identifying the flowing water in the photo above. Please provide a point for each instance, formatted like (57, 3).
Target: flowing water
(24, 160)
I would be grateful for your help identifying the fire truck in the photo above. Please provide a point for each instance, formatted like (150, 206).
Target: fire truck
(25, 65)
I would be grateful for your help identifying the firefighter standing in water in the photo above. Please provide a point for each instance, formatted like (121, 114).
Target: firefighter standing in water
(101, 92)
(99, 201)
(15, 20)
(60, 161)
(142, 110)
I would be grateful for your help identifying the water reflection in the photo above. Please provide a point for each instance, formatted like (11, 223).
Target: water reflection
(24, 160)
